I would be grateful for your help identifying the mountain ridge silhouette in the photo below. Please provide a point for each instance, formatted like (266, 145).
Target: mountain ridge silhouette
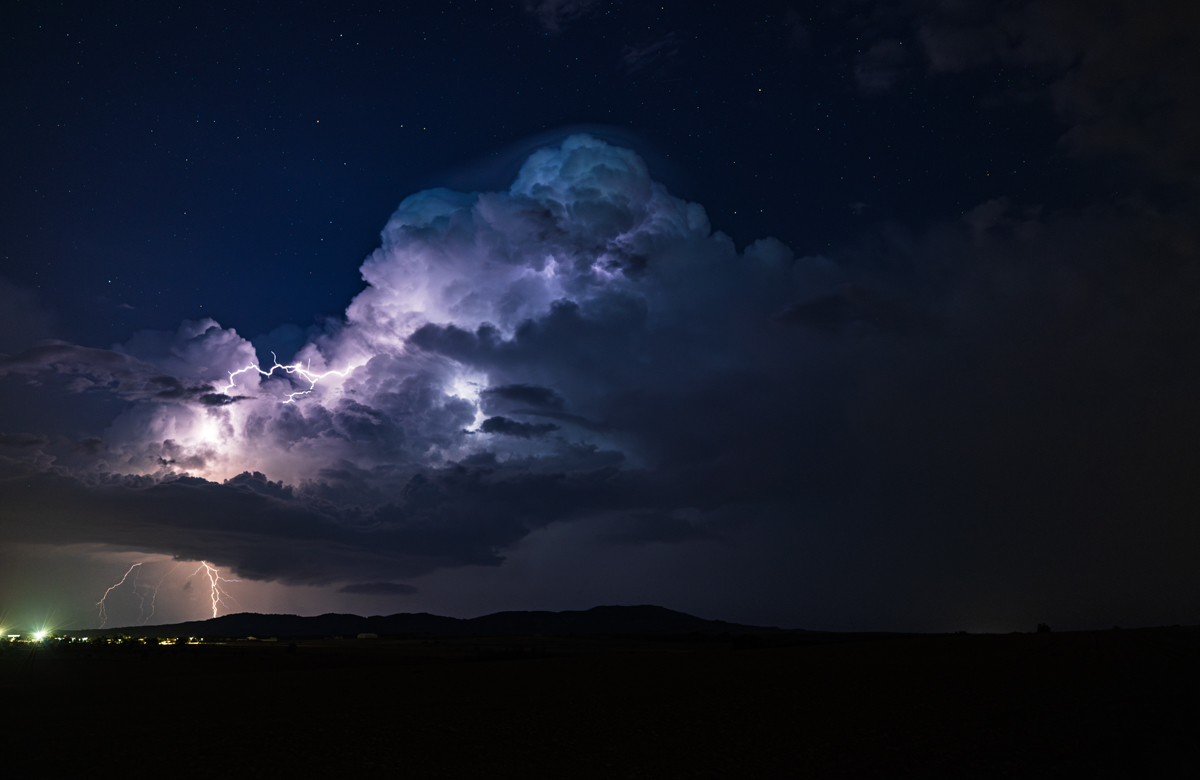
(641, 619)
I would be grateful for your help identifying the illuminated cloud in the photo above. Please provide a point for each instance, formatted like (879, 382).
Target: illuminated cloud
(481, 387)
(582, 357)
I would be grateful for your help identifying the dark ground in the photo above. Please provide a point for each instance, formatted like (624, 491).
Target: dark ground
(1088, 704)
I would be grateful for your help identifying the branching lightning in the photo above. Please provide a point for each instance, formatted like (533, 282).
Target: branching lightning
(295, 368)
(218, 593)
(141, 599)
(154, 593)
(100, 603)
(219, 596)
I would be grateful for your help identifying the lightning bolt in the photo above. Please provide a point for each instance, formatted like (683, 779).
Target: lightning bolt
(100, 603)
(141, 598)
(295, 368)
(154, 593)
(218, 593)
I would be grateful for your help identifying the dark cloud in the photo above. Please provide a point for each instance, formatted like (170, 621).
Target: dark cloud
(564, 417)
(198, 351)
(852, 309)
(1126, 74)
(267, 531)
(169, 388)
(22, 441)
(379, 589)
(100, 365)
(1005, 402)
(528, 395)
(653, 528)
(220, 399)
(90, 446)
(506, 427)
(258, 483)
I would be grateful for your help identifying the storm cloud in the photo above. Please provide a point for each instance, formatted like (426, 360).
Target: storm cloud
(494, 377)
(996, 399)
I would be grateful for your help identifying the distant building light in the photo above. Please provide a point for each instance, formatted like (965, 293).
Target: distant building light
(368, 636)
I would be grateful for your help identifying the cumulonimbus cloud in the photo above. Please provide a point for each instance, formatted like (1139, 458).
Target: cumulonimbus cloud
(482, 385)
(584, 347)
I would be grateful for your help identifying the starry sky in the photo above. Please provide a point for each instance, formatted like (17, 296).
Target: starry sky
(837, 315)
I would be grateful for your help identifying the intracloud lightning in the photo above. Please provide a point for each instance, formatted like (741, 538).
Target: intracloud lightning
(295, 368)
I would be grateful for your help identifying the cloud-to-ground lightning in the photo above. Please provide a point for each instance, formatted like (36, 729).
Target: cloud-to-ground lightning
(219, 596)
(141, 599)
(100, 603)
(295, 368)
(154, 593)
(218, 593)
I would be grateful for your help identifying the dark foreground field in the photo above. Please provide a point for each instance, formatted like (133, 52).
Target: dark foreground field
(1111, 703)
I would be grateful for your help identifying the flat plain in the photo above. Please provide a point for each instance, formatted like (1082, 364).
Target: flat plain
(1097, 703)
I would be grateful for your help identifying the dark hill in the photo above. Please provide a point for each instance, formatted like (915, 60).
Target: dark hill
(598, 620)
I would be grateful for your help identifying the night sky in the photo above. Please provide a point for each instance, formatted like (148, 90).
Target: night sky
(840, 315)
